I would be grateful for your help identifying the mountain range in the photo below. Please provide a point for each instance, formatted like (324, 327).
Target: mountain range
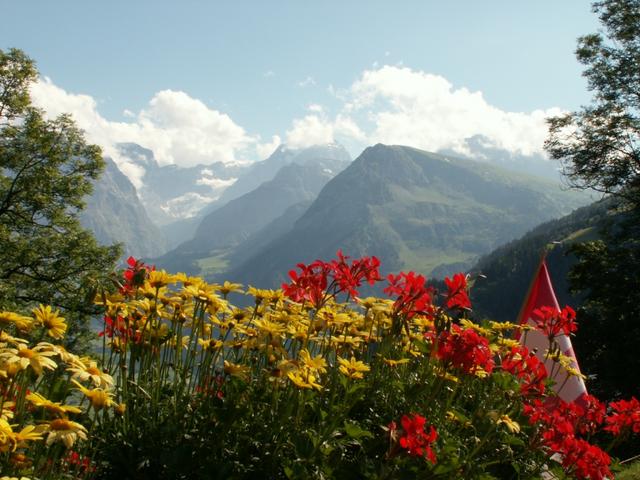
(240, 218)
(115, 215)
(413, 209)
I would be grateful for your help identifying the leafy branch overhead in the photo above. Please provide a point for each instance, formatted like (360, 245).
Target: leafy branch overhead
(47, 170)
(599, 144)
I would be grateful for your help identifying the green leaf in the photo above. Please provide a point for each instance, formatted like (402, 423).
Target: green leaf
(353, 430)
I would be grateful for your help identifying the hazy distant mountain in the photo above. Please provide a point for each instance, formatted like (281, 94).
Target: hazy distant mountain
(249, 177)
(114, 213)
(170, 192)
(414, 210)
(257, 242)
(332, 156)
(480, 148)
(244, 216)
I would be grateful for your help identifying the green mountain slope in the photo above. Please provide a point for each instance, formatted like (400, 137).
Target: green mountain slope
(508, 270)
(241, 218)
(114, 214)
(414, 210)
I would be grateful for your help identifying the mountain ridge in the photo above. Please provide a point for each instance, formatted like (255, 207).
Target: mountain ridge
(414, 209)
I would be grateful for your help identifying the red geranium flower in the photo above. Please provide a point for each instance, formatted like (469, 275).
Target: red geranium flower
(415, 440)
(465, 349)
(625, 417)
(321, 280)
(527, 368)
(457, 292)
(553, 322)
(413, 296)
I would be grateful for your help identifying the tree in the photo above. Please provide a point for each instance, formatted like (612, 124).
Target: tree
(599, 146)
(46, 170)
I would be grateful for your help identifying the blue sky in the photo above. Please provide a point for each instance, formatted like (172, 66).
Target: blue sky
(337, 68)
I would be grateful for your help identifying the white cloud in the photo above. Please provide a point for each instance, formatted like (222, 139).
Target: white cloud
(266, 149)
(269, 74)
(317, 128)
(178, 129)
(310, 130)
(307, 82)
(423, 110)
(215, 183)
(187, 205)
(389, 104)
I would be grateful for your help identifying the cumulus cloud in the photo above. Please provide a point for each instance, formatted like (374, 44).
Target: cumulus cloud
(310, 130)
(266, 149)
(398, 105)
(388, 104)
(424, 110)
(179, 129)
(318, 128)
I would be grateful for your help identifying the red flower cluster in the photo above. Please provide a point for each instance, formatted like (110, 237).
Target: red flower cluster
(526, 367)
(464, 349)
(134, 276)
(79, 463)
(349, 276)
(413, 296)
(211, 386)
(118, 328)
(321, 280)
(457, 292)
(561, 422)
(308, 285)
(624, 418)
(552, 322)
(414, 439)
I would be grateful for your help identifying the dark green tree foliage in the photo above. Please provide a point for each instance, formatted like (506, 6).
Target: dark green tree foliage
(506, 273)
(599, 145)
(46, 169)
(600, 148)
(608, 271)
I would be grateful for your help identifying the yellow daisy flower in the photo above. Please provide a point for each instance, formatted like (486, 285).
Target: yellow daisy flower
(6, 436)
(317, 363)
(235, 370)
(52, 322)
(65, 431)
(227, 287)
(394, 363)
(85, 369)
(98, 397)
(5, 338)
(7, 410)
(352, 368)
(512, 425)
(159, 279)
(267, 327)
(30, 433)
(56, 408)
(304, 378)
(21, 322)
(37, 358)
